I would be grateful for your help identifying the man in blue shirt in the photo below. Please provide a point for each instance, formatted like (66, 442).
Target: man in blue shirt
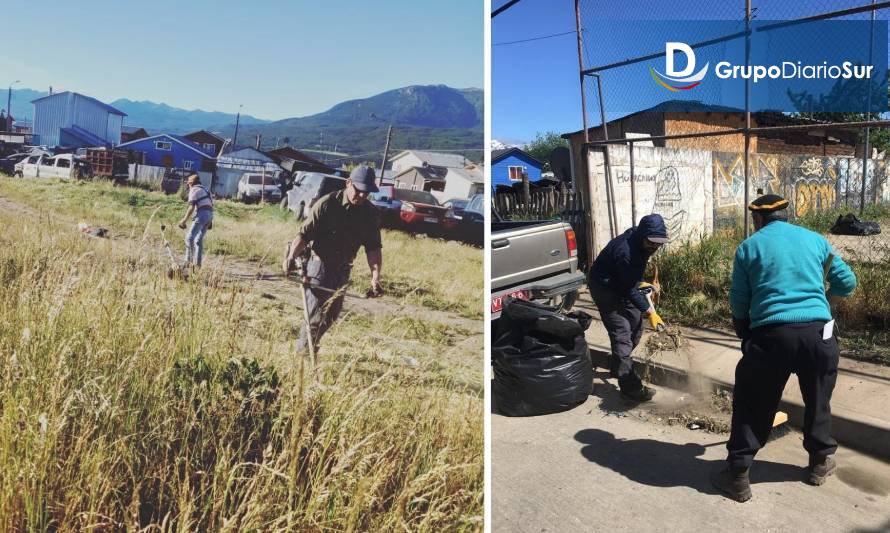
(613, 281)
(781, 312)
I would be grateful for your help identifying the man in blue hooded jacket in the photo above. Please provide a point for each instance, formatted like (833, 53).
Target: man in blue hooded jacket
(613, 282)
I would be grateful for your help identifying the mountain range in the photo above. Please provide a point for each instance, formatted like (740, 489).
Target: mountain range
(422, 117)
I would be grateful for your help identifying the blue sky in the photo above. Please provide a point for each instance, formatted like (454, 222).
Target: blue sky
(278, 58)
(535, 85)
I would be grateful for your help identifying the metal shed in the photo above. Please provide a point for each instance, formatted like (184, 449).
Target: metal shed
(231, 166)
(75, 121)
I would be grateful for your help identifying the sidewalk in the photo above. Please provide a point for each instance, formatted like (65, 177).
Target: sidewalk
(860, 404)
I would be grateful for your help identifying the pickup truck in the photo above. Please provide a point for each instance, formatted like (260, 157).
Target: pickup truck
(534, 260)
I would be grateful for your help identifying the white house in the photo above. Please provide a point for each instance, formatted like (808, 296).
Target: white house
(416, 158)
(463, 182)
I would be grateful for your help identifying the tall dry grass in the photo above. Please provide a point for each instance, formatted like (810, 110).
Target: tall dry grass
(432, 273)
(130, 401)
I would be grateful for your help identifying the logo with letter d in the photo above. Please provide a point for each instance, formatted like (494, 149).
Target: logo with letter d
(682, 80)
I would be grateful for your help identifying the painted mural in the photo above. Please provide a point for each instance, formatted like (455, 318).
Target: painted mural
(729, 183)
(697, 191)
(675, 183)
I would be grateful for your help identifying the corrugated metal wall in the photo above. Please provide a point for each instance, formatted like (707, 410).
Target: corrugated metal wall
(50, 115)
(67, 109)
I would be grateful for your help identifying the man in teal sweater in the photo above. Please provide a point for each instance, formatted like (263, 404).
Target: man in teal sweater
(781, 312)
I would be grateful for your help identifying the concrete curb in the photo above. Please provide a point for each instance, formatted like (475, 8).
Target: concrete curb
(854, 431)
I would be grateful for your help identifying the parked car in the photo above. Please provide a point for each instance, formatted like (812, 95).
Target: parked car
(419, 211)
(456, 206)
(389, 207)
(257, 187)
(64, 166)
(7, 164)
(470, 226)
(308, 188)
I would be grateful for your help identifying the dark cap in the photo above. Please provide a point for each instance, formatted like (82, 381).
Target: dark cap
(768, 203)
(364, 179)
(653, 228)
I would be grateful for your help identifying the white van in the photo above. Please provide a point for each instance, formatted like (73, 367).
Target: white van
(63, 166)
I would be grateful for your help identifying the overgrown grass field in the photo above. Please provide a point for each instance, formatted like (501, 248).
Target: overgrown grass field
(132, 401)
(696, 279)
(433, 273)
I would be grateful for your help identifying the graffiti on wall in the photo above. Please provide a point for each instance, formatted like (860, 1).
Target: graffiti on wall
(814, 182)
(675, 183)
(729, 182)
(669, 200)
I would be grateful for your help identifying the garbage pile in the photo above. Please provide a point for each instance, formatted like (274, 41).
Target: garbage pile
(540, 360)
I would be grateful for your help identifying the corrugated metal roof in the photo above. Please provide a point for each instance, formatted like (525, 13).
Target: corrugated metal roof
(435, 158)
(82, 134)
(470, 174)
(90, 98)
(248, 154)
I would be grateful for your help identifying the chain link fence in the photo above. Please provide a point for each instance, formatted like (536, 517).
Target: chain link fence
(699, 165)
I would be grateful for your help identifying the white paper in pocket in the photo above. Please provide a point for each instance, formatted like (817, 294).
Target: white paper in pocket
(828, 330)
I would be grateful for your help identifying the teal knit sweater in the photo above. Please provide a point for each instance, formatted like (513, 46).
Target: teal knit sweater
(777, 276)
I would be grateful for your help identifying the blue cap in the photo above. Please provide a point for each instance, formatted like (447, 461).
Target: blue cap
(364, 179)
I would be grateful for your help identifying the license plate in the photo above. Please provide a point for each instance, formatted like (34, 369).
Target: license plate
(430, 219)
(497, 302)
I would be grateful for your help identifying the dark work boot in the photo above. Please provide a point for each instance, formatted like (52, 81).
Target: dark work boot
(613, 366)
(821, 466)
(733, 483)
(641, 394)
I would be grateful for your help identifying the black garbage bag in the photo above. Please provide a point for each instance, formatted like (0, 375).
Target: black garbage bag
(540, 360)
(850, 224)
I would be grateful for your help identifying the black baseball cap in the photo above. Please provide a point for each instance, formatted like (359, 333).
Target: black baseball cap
(364, 179)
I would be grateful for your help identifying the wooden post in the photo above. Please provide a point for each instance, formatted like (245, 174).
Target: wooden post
(526, 192)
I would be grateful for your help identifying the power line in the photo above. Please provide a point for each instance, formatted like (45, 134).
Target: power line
(503, 8)
(535, 38)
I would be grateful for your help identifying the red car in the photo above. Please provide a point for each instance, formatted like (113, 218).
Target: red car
(419, 211)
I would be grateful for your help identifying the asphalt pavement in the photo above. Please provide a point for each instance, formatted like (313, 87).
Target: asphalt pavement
(611, 465)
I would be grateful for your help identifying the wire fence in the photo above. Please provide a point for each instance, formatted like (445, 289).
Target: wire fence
(699, 165)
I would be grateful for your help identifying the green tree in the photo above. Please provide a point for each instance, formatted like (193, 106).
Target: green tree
(543, 144)
(849, 94)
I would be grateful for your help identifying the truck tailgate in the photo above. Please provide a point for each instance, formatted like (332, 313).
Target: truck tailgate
(528, 253)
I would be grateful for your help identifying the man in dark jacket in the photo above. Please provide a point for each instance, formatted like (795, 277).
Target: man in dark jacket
(613, 282)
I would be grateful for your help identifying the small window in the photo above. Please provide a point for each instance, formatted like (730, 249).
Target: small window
(187, 164)
(163, 145)
(33, 159)
(210, 146)
(63, 163)
(516, 173)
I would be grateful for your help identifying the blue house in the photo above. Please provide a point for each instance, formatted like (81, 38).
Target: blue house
(508, 165)
(74, 120)
(173, 151)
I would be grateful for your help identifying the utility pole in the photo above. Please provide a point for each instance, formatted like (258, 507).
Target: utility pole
(237, 121)
(8, 106)
(385, 155)
(259, 138)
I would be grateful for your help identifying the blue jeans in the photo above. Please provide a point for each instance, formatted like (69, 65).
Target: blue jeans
(194, 238)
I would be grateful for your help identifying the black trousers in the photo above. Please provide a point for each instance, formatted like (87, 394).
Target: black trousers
(769, 356)
(624, 322)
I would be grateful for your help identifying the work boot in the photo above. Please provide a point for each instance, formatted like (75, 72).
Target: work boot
(613, 366)
(733, 483)
(821, 466)
(641, 394)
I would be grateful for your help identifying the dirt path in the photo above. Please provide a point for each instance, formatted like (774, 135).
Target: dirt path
(270, 282)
